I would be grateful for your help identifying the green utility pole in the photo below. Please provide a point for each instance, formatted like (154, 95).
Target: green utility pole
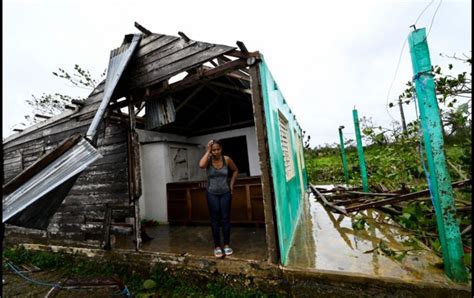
(343, 154)
(439, 178)
(360, 152)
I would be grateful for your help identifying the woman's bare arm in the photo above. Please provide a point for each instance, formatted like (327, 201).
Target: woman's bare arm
(235, 171)
(205, 158)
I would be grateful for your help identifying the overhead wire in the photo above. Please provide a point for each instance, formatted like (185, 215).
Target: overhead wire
(432, 19)
(423, 11)
(394, 77)
(403, 47)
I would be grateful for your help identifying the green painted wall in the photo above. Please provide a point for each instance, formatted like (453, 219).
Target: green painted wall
(289, 190)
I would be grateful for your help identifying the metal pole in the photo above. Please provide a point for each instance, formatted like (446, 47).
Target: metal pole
(360, 152)
(343, 154)
(439, 178)
(402, 115)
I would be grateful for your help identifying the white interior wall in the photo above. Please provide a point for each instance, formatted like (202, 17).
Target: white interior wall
(155, 175)
(251, 138)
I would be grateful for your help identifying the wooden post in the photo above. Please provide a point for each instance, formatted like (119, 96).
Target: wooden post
(343, 155)
(134, 172)
(402, 116)
(439, 178)
(360, 152)
(267, 186)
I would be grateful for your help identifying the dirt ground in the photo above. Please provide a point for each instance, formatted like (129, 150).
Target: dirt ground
(16, 286)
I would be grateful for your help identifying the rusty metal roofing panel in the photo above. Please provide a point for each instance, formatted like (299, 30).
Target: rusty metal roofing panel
(159, 111)
(71, 163)
(119, 59)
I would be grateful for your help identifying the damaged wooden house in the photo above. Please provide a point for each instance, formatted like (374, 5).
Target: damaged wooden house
(129, 154)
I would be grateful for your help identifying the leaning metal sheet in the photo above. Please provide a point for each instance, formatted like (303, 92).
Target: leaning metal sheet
(119, 59)
(72, 162)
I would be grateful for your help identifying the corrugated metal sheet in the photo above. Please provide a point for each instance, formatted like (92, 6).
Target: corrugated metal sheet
(159, 112)
(71, 163)
(38, 214)
(119, 59)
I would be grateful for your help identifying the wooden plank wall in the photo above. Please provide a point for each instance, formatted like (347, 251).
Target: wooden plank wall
(159, 57)
(81, 213)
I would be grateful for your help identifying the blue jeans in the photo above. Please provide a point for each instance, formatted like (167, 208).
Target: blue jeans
(219, 210)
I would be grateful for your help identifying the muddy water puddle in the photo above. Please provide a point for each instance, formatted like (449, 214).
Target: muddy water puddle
(377, 247)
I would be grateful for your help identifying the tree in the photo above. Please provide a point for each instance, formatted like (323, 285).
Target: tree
(454, 94)
(54, 104)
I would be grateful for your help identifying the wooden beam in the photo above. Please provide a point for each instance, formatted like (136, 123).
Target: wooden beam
(325, 201)
(195, 79)
(142, 29)
(240, 75)
(140, 107)
(401, 198)
(372, 194)
(183, 36)
(242, 47)
(234, 88)
(217, 128)
(42, 116)
(239, 54)
(223, 59)
(190, 81)
(268, 194)
(121, 117)
(190, 96)
(77, 102)
(210, 105)
(131, 113)
(41, 163)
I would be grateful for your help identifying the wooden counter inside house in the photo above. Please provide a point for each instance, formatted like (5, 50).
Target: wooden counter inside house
(187, 202)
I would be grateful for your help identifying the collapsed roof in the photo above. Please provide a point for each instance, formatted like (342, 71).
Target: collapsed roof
(219, 100)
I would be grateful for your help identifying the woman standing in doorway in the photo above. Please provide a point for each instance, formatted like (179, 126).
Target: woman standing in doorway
(219, 193)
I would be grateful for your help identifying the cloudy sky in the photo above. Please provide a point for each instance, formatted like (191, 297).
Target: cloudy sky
(327, 56)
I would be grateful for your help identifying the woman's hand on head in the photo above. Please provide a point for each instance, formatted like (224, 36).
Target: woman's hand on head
(209, 145)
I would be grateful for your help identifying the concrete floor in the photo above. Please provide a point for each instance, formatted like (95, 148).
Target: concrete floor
(327, 241)
(324, 241)
(248, 242)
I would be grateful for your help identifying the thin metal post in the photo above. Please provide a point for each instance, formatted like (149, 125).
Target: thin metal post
(360, 152)
(343, 155)
(439, 178)
(402, 116)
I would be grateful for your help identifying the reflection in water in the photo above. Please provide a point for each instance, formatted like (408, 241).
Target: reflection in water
(327, 241)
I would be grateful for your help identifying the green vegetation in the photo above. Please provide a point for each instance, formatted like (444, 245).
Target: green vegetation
(161, 282)
(394, 160)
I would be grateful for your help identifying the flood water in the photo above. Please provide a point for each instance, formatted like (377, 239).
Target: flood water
(327, 241)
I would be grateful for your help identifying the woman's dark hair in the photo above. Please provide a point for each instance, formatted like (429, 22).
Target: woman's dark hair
(218, 142)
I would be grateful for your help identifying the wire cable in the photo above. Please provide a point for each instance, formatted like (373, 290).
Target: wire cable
(419, 16)
(403, 47)
(41, 283)
(394, 77)
(432, 19)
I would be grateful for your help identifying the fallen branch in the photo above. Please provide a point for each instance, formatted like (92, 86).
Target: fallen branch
(389, 210)
(460, 173)
(325, 202)
(373, 194)
(397, 199)
(466, 230)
